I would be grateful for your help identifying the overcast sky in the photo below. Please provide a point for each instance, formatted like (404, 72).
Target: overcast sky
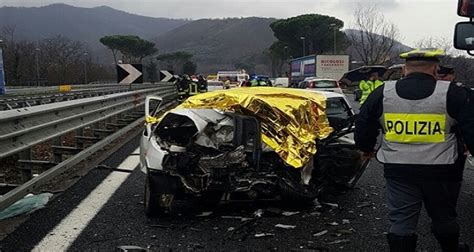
(416, 19)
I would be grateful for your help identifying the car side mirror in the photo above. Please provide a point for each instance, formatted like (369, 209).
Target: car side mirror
(466, 8)
(464, 36)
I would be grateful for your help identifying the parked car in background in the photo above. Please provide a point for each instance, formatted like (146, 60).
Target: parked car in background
(213, 85)
(280, 82)
(319, 84)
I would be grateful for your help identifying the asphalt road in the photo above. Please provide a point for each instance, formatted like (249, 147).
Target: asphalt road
(357, 223)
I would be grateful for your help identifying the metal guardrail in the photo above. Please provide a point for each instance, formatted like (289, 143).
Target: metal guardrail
(54, 89)
(23, 128)
(8, 102)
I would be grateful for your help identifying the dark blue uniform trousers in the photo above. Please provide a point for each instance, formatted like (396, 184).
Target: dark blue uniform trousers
(404, 200)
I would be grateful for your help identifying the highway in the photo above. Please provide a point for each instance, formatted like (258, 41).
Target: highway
(104, 210)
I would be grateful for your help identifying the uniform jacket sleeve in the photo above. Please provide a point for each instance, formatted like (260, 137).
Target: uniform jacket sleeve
(465, 117)
(367, 123)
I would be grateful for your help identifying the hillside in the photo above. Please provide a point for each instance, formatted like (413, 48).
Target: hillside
(84, 24)
(217, 44)
(220, 42)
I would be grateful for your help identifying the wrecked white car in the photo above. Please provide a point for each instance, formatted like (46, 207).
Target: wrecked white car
(249, 142)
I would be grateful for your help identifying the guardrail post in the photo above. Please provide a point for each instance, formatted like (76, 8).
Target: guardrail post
(26, 172)
(57, 157)
(79, 133)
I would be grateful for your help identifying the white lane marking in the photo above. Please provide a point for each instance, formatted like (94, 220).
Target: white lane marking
(66, 232)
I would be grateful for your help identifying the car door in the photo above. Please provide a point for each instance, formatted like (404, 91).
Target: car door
(152, 106)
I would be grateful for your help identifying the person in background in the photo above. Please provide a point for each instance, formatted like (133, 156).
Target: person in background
(183, 87)
(202, 84)
(369, 86)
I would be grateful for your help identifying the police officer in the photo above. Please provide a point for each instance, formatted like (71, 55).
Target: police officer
(183, 87)
(369, 86)
(419, 151)
(202, 84)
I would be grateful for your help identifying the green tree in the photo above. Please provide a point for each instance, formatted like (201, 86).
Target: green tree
(317, 30)
(133, 48)
(189, 68)
(113, 43)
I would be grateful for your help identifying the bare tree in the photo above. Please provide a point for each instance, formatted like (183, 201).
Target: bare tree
(373, 38)
(60, 54)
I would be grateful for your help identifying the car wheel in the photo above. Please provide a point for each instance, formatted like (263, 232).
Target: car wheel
(155, 203)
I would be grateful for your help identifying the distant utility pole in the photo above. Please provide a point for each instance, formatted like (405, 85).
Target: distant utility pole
(37, 50)
(85, 67)
(334, 27)
(2, 75)
(304, 45)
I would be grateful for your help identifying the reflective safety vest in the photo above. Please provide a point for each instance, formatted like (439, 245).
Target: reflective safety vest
(417, 131)
(193, 88)
(368, 87)
(253, 83)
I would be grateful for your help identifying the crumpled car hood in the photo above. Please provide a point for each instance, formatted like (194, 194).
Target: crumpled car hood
(291, 119)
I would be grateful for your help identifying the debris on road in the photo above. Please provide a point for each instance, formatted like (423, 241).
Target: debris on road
(287, 213)
(258, 213)
(345, 231)
(321, 233)
(127, 248)
(345, 221)
(333, 205)
(205, 214)
(365, 204)
(28, 204)
(260, 235)
(332, 224)
(283, 226)
(339, 241)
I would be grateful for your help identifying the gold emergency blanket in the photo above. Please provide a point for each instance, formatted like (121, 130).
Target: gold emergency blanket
(291, 119)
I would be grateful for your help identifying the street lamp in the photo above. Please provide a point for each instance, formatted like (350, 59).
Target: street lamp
(37, 50)
(2, 76)
(304, 46)
(85, 67)
(334, 26)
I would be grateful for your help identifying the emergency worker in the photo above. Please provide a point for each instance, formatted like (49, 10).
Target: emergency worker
(253, 82)
(369, 86)
(183, 88)
(419, 148)
(262, 83)
(202, 84)
(193, 88)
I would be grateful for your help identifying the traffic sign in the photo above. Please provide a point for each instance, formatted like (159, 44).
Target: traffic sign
(167, 76)
(129, 73)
